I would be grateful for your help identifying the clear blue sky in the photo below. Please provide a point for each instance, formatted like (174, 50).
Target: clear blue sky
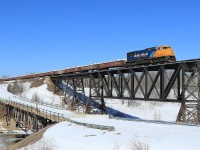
(44, 35)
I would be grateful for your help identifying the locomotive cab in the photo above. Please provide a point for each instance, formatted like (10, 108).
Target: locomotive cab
(164, 54)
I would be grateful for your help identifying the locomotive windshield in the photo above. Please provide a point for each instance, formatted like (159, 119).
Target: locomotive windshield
(166, 47)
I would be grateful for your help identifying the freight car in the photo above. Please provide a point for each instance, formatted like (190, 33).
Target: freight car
(112, 64)
(153, 55)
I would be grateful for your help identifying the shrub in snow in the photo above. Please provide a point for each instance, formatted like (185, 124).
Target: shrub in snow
(35, 97)
(116, 146)
(15, 87)
(139, 145)
(157, 116)
(5, 76)
(43, 144)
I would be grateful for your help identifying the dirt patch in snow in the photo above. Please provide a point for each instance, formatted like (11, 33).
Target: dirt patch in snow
(37, 83)
(55, 90)
(33, 138)
(51, 88)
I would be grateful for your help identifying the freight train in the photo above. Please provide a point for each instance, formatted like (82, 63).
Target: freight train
(153, 55)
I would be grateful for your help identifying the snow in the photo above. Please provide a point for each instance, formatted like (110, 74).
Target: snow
(146, 110)
(43, 93)
(66, 135)
(159, 136)
(28, 93)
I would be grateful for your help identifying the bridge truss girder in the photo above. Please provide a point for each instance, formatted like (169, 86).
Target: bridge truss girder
(175, 82)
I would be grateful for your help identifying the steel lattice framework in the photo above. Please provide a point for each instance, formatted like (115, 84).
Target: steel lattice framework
(172, 82)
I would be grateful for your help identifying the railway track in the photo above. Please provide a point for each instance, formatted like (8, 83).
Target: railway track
(114, 65)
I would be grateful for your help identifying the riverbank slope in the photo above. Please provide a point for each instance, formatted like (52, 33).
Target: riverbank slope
(33, 138)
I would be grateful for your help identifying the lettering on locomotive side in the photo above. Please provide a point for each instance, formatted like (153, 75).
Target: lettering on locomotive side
(141, 55)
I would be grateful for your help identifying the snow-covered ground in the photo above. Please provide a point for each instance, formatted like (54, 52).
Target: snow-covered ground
(42, 92)
(127, 134)
(146, 110)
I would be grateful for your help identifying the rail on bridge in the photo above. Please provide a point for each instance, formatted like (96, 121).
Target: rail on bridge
(177, 82)
(28, 117)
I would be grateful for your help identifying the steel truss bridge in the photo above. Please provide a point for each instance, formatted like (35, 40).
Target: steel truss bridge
(177, 82)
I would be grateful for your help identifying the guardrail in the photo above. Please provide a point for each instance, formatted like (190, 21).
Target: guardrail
(94, 126)
(51, 115)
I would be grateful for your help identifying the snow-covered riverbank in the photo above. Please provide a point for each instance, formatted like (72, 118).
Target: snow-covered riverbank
(70, 136)
(66, 135)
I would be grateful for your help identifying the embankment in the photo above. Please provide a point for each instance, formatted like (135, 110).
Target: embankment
(33, 138)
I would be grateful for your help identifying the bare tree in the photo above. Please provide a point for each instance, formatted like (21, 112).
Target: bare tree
(35, 99)
(15, 87)
(21, 89)
(5, 76)
(43, 144)
(157, 116)
(116, 146)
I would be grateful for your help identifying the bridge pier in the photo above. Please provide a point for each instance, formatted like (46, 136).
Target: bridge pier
(198, 106)
(75, 94)
(75, 97)
(12, 124)
(1, 111)
(190, 95)
(96, 91)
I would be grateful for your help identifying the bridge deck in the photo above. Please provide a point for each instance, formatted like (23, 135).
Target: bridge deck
(53, 116)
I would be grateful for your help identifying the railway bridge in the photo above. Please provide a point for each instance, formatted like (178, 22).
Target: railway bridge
(177, 82)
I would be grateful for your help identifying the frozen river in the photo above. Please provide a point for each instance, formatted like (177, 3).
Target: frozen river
(9, 139)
